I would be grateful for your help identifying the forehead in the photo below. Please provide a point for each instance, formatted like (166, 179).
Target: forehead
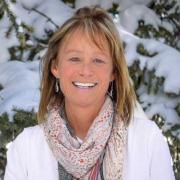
(80, 34)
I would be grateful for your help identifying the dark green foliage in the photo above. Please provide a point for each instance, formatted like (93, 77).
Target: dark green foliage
(70, 2)
(173, 142)
(164, 9)
(14, 25)
(145, 30)
(178, 109)
(9, 130)
(22, 35)
(148, 31)
(17, 52)
(114, 9)
(1, 11)
(154, 83)
(24, 118)
(2, 161)
(5, 128)
(33, 50)
(1, 87)
(136, 74)
(168, 12)
(170, 38)
(141, 50)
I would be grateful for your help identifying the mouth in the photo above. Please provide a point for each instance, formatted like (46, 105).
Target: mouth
(84, 85)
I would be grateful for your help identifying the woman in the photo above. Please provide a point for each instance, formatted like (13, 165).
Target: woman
(86, 125)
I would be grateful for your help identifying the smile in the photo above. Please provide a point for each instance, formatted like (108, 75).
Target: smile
(84, 85)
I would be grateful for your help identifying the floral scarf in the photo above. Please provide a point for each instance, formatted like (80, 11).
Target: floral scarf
(102, 147)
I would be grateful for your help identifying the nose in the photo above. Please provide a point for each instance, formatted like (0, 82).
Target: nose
(86, 70)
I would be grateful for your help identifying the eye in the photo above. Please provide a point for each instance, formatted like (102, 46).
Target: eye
(74, 59)
(99, 61)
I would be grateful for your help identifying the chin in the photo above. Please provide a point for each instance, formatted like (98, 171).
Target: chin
(85, 102)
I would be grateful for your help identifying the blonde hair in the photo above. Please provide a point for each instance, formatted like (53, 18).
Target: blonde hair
(93, 21)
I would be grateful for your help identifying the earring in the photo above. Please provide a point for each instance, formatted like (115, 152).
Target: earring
(57, 85)
(111, 89)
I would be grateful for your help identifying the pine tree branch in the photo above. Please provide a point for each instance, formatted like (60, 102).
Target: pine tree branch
(44, 15)
(14, 25)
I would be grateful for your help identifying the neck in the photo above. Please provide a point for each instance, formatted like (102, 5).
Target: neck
(81, 118)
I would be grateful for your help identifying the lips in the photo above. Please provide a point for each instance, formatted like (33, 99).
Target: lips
(84, 85)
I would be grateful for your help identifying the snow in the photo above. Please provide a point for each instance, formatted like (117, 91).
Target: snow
(54, 9)
(6, 42)
(82, 3)
(20, 80)
(106, 4)
(129, 17)
(161, 105)
(30, 4)
(123, 4)
(166, 63)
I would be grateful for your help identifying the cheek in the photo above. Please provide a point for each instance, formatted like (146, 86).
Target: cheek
(106, 74)
(67, 75)
(65, 70)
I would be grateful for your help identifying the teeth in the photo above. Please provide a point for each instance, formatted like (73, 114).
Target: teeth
(84, 85)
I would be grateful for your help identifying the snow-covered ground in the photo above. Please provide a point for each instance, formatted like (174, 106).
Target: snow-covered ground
(20, 80)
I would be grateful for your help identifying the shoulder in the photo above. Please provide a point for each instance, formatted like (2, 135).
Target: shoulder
(142, 125)
(27, 154)
(33, 129)
(19, 150)
(26, 144)
(30, 134)
(146, 139)
(149, 148)
(144, 134)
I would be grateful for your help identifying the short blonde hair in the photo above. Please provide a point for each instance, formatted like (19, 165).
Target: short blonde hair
(93, 21)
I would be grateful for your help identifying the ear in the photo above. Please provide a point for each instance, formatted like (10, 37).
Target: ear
(54, 69)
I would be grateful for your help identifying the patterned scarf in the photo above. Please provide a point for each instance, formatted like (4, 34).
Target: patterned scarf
(103, 144)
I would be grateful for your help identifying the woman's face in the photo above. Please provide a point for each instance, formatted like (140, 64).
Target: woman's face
(84, 70)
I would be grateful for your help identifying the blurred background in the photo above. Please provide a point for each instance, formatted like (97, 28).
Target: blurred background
(150, 30)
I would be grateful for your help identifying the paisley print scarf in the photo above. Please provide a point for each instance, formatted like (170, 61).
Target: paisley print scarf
(100, 151)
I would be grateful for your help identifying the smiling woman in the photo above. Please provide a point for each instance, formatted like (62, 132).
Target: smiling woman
(87, 129)
(84, 72)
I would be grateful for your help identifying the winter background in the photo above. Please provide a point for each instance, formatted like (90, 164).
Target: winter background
(150, 30)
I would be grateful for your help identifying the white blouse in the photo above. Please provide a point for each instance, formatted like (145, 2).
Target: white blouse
(147, 155)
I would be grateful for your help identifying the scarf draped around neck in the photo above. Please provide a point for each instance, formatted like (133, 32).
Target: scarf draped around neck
(105, 138)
